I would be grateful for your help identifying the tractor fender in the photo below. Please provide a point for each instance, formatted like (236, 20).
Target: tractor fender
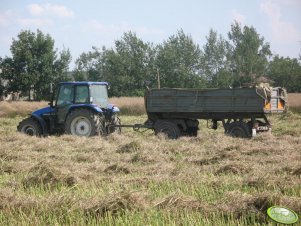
(116, 109)
(113, 108)
(92, 107)
(42, 123)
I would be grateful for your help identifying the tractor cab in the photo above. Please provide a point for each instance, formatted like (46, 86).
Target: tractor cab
(82, 93)
(79, 108)
(79, 94)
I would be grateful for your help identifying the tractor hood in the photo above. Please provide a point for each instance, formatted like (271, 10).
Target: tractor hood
(43, 111)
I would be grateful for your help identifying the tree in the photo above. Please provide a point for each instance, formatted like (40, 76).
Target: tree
(89, 66)
(125, 67)
(215, 61)
(34, 64)
(179, 62)
(286, 72)
(249, 53)
(129, 65)
(2, 88)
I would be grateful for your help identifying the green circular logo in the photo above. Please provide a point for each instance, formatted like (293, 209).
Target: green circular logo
(282, 215)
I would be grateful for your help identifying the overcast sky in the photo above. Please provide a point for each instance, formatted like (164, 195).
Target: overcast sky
(79, 25)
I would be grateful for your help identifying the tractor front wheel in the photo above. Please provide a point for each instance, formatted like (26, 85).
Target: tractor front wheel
(30, 127)
(83, 122)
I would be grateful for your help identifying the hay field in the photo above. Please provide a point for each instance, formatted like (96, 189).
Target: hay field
(127, 105)
(294, 100)
(140, 179)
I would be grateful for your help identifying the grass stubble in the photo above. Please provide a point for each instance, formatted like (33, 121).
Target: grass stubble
(142, 179)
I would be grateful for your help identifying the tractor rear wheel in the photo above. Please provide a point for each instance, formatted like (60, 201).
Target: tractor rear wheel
(30, 127)
(83, 122)
(167, 127)
(115, 121)
(239, 129)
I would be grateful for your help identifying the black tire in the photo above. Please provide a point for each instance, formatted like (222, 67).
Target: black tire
(239, 129)
(169, 128)
(114, 121)
(84, 122)
(30, 127)
(192, 131)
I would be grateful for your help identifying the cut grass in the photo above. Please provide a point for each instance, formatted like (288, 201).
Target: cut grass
(140, 179)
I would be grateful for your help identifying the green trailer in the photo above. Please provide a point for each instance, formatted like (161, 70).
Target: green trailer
(241, 111)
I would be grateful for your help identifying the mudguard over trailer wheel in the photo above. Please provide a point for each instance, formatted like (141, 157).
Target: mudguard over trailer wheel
(239, 129)
(30, 127)
(167, 127)
(84, 122)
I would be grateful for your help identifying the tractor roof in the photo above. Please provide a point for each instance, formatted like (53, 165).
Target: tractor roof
(84, 83)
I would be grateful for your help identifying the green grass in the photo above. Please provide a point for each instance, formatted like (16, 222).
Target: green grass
(140, 179)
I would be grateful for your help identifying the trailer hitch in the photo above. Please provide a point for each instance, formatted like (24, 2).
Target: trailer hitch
(136, 127)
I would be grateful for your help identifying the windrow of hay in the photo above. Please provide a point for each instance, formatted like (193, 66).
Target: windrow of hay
(179, 201)
(115, 168)
(133, 146)
(244, 205)
(43, 175)
(241, 204)
(10, 202)
(115, 204)
(297, 171)
(233, 168)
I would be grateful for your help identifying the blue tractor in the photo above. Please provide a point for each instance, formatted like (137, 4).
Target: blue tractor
(77, 108)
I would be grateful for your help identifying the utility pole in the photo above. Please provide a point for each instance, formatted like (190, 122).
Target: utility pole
(158, 78)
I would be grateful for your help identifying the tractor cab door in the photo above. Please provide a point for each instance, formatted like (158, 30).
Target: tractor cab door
(64, 100)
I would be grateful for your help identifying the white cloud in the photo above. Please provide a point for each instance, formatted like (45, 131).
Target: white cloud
(282, 31)
(35, 9)
(105, 29)
(294, 3)
(49, 9)
(34, 22)
(59, 10)
(5, 18)
(237, 16)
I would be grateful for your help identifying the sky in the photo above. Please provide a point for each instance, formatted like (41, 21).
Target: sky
(80, 24)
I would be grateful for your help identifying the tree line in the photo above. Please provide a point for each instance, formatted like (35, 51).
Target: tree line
(243, 58)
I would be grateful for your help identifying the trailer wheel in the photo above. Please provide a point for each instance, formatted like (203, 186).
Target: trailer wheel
(239, 129)
(192, 131)
(169, 128)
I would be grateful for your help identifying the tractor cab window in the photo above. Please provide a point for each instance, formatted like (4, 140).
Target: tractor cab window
(99, 95)
(65, 95)
(82, 94)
